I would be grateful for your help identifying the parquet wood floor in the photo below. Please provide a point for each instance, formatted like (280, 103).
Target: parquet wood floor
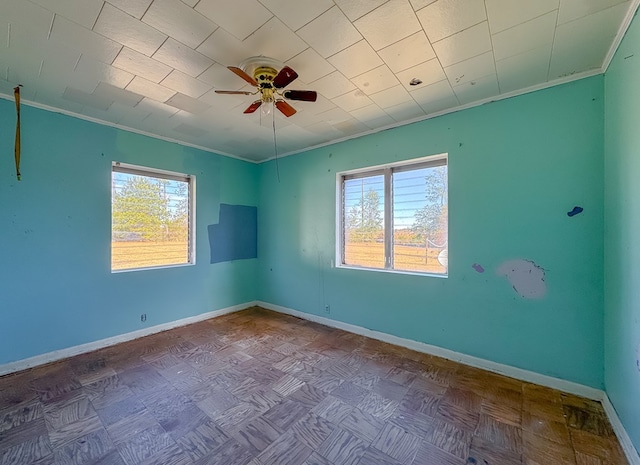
(260, 388)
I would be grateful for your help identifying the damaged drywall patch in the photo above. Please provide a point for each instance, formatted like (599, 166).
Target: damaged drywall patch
(526, 278)
(235, 237)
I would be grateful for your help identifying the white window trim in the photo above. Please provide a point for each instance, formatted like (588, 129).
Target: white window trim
(172, 175)
(385, 169)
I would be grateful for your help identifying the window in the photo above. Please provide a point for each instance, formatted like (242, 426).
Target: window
(395, 217)
(152, 218)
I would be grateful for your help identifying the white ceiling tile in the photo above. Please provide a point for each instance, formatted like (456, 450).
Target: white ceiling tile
(191, 3)
(350, 127)
(428, 72)
(408, 52)
(405, 111)
(35, 20)
(225, 48)
(220, 77)
(419, 4)
(135, 8)
(335, 115)
(321, 105)
(179, 21)
(176, 55)
(352, 100)
(355, 60)
(504, 14)
(137, 63)
(116, 94)
(342, 34)
(524, 70)
(224, 102)
(333, 84)
(158, 110)
(447, 17)
(391, 97)
(388, 23)
(190, 130)
(376, 80)
(373, 116)
(477, 90)
(239, 17)
(150, 89)
(434, 92)
(436, 106)
(471, 69)
(463, 45)
(87, 99)
(186, 103)
(582, 44)
(574, 9)
(310, 65)
(275, 40)
(82, 12)
(185, 84)
(119, 26)
(526, 36)
(69, 34)
(354, 9)
(127, 116)
(92, 70)
(295, 13)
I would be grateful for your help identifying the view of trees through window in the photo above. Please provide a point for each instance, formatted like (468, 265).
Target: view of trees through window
(150, 221)
(418, 224)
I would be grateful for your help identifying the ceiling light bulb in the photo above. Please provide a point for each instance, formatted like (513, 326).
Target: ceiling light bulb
(266, 108)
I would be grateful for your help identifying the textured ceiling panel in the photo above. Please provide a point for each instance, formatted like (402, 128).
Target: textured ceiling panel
(154, 65)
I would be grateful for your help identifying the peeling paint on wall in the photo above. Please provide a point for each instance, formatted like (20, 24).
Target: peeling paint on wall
(526, 278)
(477, 267)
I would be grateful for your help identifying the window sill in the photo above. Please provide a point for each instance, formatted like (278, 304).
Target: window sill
(159, 267)
(380, 270)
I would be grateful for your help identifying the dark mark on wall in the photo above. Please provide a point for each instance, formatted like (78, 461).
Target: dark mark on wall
(628, 56)
(478, 267)
(459, 144)
(638, 358)
(576, 210)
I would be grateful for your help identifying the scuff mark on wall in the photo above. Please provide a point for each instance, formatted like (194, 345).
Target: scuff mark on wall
(638, 357)
(477, 267)
(526, 278)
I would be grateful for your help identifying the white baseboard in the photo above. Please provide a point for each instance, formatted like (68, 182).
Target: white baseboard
(102, 343)
(625, 441)
(507, 370)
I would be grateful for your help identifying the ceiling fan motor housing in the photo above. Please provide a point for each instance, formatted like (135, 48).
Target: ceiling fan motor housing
(264, 77)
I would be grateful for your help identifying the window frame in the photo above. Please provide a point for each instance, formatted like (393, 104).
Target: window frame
(190, 179)
(387, 171)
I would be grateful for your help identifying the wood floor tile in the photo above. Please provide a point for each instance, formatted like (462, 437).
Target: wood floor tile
(201, 440)
(312, 430)
(30, 451)
(449, 438)
(397, 443)
(286, 450)
(363, 425)
(86, 449)
(433, 455)
(343, 448)
(259, 388)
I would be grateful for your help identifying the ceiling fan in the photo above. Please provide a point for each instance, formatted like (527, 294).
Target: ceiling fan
(262, 72)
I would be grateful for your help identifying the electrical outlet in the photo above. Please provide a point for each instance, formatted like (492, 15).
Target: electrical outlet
(327, 309)
(143, 317)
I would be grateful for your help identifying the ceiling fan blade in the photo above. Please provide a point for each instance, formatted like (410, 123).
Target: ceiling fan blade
(304, 95)
(234, 92)
(253, 107)
(285, 77)
(243, 75)
(286, 109)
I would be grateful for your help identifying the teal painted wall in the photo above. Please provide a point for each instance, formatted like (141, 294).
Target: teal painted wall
(516, 167)
(622, 224)
(56, 287)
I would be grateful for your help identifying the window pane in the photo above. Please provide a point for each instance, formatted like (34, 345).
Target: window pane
(363, 214)
(150, 221)
(420, 208)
